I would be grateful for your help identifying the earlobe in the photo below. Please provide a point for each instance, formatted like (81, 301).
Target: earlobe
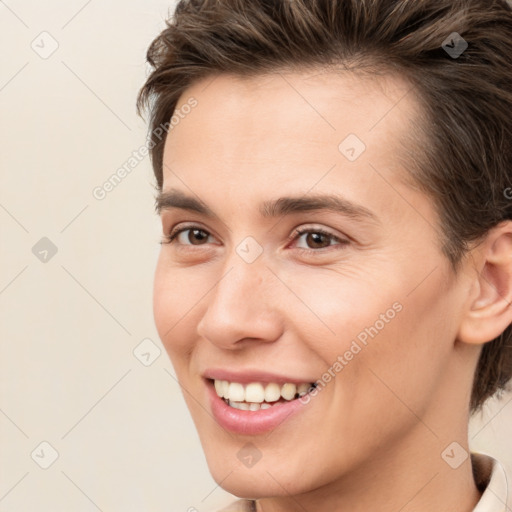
(489, 311)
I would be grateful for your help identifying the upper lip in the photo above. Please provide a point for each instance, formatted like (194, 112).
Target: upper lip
(251, 375)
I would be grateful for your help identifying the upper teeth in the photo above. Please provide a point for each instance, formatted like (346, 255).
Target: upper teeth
(256, 392)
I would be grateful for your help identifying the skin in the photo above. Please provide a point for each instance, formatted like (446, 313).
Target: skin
(377, 430)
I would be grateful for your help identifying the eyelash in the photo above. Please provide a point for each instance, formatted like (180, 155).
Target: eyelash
(169, 239)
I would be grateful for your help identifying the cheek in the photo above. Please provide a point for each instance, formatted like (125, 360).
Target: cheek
(175, 300)
(402, 365)
(339, 307)
(390, 341)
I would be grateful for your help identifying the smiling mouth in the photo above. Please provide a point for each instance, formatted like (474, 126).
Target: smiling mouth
(255, 396)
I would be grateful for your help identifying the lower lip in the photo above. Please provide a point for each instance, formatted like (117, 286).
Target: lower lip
(251, 422)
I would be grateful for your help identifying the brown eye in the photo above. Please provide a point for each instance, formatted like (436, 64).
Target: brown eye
(196, 236)
(317, 239)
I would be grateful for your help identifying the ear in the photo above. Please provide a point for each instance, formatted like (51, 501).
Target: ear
(489, 310)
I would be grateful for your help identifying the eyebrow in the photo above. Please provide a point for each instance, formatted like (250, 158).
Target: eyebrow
(272, 208)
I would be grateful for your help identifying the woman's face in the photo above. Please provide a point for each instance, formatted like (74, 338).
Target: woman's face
(368, 309)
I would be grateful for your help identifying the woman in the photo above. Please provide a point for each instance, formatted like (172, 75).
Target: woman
(335, 279)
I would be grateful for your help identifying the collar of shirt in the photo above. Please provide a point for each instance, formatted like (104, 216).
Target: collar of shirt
(491, 477)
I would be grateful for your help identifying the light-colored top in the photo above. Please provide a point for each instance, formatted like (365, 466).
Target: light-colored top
(490, 477)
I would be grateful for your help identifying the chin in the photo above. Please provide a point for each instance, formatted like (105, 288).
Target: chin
(263, 480)
(250, 486)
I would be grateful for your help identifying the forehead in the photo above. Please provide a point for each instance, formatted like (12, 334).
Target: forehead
(314, 107)
(286, 126)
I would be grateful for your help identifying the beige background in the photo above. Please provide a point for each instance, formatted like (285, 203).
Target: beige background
(70, 323)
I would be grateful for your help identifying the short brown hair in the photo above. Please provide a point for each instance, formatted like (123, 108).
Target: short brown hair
(465, 161)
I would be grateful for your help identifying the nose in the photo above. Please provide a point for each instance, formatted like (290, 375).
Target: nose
(242, 306)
